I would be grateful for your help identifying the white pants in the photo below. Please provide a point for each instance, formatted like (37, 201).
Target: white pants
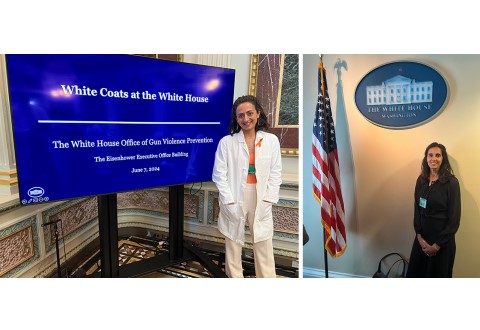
(262, 251)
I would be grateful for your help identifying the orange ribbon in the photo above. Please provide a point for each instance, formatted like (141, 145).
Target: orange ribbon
(259, 143)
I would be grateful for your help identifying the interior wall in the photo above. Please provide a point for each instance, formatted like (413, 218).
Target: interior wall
(379, 166)
(241, 64)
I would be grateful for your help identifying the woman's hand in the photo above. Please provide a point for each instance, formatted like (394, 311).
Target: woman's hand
(423, 243)
(429, 250)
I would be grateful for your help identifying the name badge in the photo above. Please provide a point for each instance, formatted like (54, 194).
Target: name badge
(423, 202)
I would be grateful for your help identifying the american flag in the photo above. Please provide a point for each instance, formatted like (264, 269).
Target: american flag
(326, 172)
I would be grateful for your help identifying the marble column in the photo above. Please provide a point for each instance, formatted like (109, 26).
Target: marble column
(8, 171)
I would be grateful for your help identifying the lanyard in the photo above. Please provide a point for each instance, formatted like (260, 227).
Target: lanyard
(424, 197)
(427, 189)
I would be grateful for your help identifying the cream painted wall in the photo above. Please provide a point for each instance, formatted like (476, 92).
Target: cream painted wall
(379, 166)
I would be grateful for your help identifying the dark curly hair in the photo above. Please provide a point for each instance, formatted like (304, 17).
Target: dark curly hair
(445, 171)
(262, 123)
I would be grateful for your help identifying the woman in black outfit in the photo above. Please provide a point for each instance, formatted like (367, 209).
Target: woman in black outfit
(436, 216)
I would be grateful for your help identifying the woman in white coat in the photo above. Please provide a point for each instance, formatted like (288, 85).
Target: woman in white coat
(247, 173)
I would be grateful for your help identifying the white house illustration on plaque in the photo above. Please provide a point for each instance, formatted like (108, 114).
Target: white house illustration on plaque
(400, 90)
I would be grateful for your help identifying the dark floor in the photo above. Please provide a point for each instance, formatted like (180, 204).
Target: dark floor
(204, 263)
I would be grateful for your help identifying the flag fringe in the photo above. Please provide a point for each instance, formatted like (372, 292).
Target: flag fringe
(331, 253)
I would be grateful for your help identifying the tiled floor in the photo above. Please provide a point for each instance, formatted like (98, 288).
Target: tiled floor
(135, 249)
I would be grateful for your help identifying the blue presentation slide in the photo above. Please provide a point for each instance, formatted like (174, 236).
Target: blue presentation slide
(87, 125)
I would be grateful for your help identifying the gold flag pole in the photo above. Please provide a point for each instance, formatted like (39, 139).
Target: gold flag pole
(325, 257)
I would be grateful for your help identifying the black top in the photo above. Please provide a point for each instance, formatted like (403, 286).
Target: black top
(439, 221)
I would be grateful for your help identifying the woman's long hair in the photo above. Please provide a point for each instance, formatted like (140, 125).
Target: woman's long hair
(262, 123)
(445, 171)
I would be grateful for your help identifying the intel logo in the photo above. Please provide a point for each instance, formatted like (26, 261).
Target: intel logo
(36, 192)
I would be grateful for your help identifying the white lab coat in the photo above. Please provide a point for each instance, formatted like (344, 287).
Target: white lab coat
(230, 175)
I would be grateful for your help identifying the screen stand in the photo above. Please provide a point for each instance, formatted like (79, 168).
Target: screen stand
(177, 249)
(176, 206)
(177, 253)
(108, 232)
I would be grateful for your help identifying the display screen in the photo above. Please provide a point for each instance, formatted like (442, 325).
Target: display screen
(89, 125)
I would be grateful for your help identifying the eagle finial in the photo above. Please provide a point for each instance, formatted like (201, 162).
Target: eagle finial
(338, 66)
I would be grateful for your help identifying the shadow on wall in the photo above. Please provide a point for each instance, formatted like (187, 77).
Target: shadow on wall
(345, 154)
(467, 255)
(389, 224)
